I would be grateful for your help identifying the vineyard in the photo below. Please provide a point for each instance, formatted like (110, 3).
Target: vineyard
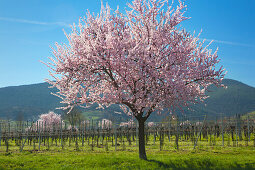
(175, 133)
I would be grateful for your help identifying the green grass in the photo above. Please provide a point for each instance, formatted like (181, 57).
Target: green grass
(217, 158)
(206, 155)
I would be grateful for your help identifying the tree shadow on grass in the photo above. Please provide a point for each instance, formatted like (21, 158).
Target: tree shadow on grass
(161, 164)
(196, 164)
(176, 166)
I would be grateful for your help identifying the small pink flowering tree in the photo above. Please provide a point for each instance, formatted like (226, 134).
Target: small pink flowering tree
(85, 124)
(50, 121)
(128, 124)
(142, 60)
(105, 124)
(151, 124)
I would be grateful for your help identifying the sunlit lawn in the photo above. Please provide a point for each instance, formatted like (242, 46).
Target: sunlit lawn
(126, 157)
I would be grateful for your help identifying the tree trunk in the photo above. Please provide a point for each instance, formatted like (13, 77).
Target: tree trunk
(142, 153)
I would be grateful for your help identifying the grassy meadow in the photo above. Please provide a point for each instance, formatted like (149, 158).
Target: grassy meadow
(73, 153)
(203, 157)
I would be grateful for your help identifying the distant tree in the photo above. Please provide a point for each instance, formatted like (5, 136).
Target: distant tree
(74, 117)
(105, 124)
(20, 119)
(48, 121)
(129, 124)
(151, 124)
(142, 60)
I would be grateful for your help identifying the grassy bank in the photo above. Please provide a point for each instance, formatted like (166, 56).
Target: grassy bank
(236, 158)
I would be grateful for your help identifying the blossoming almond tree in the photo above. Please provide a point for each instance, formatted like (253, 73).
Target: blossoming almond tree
(142, 60)
(105, 124)
(49, 121)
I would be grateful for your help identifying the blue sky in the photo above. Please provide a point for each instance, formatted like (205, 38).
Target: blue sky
(29, 27)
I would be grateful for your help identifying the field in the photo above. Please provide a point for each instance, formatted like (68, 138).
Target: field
(207, 158)
(172, 145)
(106, 156)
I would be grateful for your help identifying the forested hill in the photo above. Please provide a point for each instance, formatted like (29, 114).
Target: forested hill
(237, 98)
(29, 101)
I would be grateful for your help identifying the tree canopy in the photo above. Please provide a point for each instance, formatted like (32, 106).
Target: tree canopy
(142, 60)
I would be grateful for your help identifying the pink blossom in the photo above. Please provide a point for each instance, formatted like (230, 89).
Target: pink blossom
(85, 123)
(129, 124)
(186, 122)
(135, 59)
(73, 128)
(105, 124)
(198, 123)
(142, 60)
(151, 124)
(49, 121)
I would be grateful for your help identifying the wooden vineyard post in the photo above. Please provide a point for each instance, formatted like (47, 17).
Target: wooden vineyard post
(248, 125)
(14, 132)
(48, 136)
(0, 132)
(200, 132)
(180, 128)
(76, 139)
(215, 131)
(210, 129)
(154, 134)
(89, 131)
(102, 132)
(7, 137)
(128, 136)
(92, 142)
(111, 132)
(86, 128)
(98, 132)
(193, 131)
(236, 132)
(33, 130)
(39, 131)
(254, 138)
(239, 128)
(177, 133)
(161, 137)
(61, 134)
(79, 129)
(115, 135)
(82, 132)
(105, 136)
(169, 130)
(133, 131)
(228, 130)
(122, 134)
(222, 129)
(70, 135)
(21, 134)
(55, 134)
(137, 133)
(23, 144)
(44, 133)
